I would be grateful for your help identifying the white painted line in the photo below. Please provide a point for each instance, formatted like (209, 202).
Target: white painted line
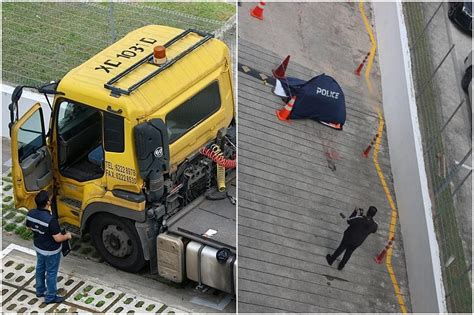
(464, 165)
(19, 248)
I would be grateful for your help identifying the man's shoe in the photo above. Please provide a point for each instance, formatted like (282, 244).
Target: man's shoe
(57, 299)
(39, 295)
(328, 259)
(340, 267)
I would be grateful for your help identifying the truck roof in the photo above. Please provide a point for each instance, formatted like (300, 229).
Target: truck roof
(85, 83)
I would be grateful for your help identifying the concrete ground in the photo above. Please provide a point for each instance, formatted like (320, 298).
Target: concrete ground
(442, 33)
(77, 273)
(291, 192)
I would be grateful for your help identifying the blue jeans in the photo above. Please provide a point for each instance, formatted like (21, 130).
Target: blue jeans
(47, 271)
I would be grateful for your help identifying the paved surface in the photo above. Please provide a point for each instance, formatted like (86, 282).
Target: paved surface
(80, 279)
(290, 199)
(442, 33)
(85, 294)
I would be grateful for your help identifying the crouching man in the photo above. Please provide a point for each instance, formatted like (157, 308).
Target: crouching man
(47, 240)
(360, 226)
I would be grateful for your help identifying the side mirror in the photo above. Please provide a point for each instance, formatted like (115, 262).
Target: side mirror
(153, 155)
(50, 88)
(16, 95)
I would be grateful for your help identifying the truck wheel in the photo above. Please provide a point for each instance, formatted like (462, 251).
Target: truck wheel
(452, 7)
(466, 79)
(117, 241)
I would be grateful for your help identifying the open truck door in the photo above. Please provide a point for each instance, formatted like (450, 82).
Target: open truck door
(31, 158)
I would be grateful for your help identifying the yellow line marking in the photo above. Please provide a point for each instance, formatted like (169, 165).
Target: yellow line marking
(381, 123)
(393, 220)
(372, 49)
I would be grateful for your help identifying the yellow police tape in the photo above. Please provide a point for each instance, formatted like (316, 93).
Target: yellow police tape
(380, 174)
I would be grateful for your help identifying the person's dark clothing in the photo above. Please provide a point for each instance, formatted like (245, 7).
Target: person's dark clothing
(48, 252)
(359, 228)
(44, 225)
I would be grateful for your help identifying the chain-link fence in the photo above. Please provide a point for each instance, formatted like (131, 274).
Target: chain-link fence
(44, 40)
(440, 109)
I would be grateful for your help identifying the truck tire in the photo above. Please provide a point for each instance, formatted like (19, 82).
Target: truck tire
(452, 10)
(117, 241)
(466, 79)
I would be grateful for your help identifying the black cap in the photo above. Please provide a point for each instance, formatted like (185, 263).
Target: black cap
(372, 211)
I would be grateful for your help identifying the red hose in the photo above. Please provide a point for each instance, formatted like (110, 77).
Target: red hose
(218, 158)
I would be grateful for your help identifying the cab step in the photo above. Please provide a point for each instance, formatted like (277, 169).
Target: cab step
(74, 230)
(73, 203)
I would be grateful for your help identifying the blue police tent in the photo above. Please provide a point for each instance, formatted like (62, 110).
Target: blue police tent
(320, 99)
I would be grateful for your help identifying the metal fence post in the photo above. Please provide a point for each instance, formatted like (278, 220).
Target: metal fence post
(436, 70)
(451, 174)
(462, 183)
(426, 26)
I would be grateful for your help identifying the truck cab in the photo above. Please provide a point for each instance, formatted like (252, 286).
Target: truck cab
(121, 155)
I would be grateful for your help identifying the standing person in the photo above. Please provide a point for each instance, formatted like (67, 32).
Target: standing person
(360, 227)
(47, 240)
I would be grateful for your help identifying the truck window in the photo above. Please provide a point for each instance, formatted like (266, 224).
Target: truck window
(193, 111)
(113, 133)
(80, 152)
(30, 136)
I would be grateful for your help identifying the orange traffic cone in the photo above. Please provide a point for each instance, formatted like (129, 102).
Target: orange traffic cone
(279, 72)
(379, 258)
(371, 144)
(284, 113)
(257, 12)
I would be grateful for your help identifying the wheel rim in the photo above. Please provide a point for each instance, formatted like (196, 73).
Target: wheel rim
(116, 241)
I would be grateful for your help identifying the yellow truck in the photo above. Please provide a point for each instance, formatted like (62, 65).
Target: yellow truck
(139, 137)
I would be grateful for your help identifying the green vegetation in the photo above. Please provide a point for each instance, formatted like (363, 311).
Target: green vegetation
(100, 303)
(99, 291)
(26, 234)
(150, 307)
(43, 40)
(10, 227)
(88, 288)
(78, 297)
(8, 206)
(20, 218)
(109, 295)
(7, 198)
(19, 266)
(10, 215)
(8, 187)
(7, 179)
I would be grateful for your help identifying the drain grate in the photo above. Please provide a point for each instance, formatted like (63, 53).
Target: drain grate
(94, 296)
(25, 301)
(83, 296)
(17, 274)
(131, 304)
(65, 284)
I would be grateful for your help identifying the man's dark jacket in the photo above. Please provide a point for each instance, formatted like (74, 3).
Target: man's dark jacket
(359, 228)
